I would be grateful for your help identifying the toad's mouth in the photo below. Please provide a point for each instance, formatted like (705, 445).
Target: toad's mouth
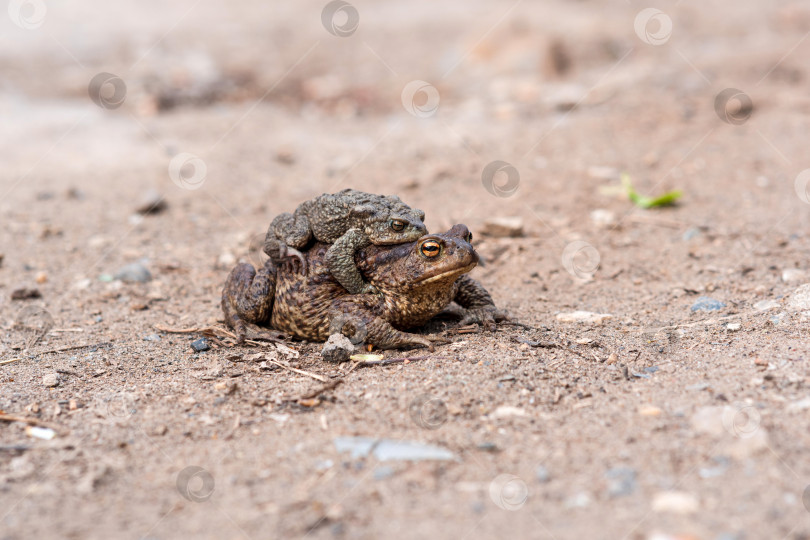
(447, 274)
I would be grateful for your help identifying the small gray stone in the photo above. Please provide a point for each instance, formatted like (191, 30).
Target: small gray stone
(50, 380)
(134, 273)
(151, 337)
(541, 474)
(382, 472)
(704, 303)
(201, 345)
(621, 481)
(338, 348)
(692, 232)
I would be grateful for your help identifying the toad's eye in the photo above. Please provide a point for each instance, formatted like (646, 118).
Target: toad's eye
(430, 249)
(469, 238)
(398, 225)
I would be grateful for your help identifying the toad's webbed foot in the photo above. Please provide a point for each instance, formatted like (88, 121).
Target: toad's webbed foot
(285, 256)
(257, 333)
(294, 261)
(486, 316)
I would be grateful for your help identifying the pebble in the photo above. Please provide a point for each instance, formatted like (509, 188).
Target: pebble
(152, 203)
(50, 380)
(621, 481)
(603, 218)
(25, 294)
(586, 317)
(733, 326)
(43, 433)
(705, 303)
(800, 299)
(133, 273)
(338, 348)
(226, 260)
(675, 502)
(151, 337)
(201, 345)
(649, 410)
(392, 450)
(578, 500)
(506, 411)
(690, 233)
(503, 227)
(764, 305)
(41, 278)
(793, 275)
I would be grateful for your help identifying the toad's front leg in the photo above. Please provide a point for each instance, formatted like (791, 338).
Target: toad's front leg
(340, 261)
(477, 303)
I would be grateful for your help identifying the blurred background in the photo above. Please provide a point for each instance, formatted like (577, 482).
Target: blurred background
(169, 134)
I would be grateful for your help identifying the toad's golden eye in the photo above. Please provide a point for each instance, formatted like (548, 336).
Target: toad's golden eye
(430, 249)
(469, 238)
(398, 225)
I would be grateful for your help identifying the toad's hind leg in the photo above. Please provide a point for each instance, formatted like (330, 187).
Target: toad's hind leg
(247, 298)
(377, 331)
(287, 234)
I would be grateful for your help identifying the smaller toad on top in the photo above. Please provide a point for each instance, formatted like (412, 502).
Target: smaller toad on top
(349, 220)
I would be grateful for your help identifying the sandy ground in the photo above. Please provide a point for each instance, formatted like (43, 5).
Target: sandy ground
(659, 422)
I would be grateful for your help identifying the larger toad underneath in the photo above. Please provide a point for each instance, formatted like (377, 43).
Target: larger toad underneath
(416, 281)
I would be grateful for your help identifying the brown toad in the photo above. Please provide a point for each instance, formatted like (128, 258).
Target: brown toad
(349, 220)
(416, 280)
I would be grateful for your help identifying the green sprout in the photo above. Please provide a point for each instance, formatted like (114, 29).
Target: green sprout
(667, 199)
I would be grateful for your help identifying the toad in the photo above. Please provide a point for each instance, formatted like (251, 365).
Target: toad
(349, 220)
(416, 281)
